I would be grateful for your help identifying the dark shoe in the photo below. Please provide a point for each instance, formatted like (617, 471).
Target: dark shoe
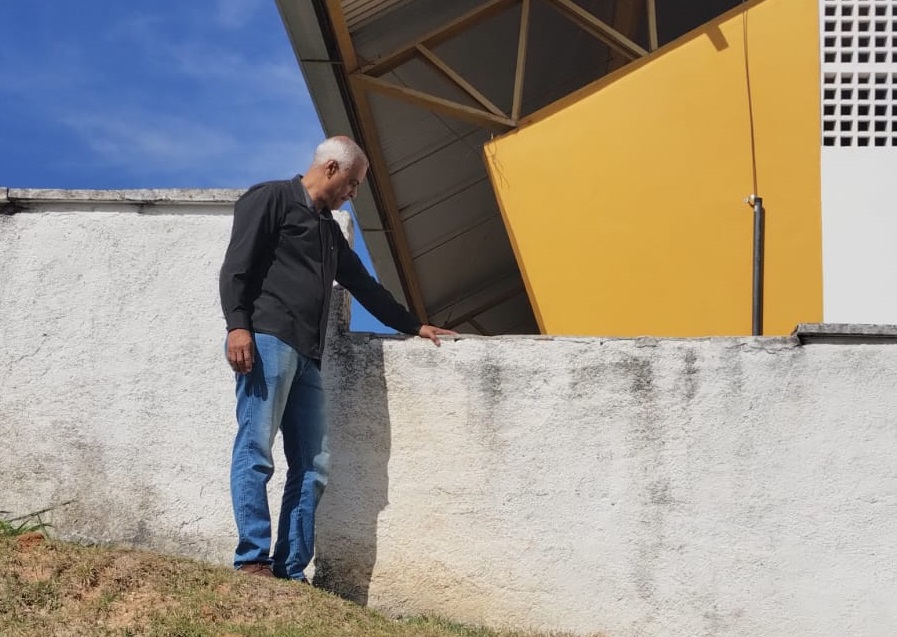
(262, 570)
(280, 573)
(298, 580)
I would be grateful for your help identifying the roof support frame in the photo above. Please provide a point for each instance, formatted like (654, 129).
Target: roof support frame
(492, 117)
(358, 79)
(478, 327)
(598, 28)
(520, 71)
(432, 103)
(627, 15)
(343, 36)
(402, 54)
(652, 24)
(455, 77)
(365, 79)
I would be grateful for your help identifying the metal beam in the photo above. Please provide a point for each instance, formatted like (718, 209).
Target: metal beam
(599, 28)
(478, 327)
(455, 77)
(520, 72)
(402, 54)
(652, 25)
(343, 37)
(627, 15)
(431, 102)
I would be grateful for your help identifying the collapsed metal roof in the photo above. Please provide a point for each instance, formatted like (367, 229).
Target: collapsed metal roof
(421, 85)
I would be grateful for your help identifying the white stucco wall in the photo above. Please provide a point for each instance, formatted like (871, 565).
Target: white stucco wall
(627, 487)
(116, 394)
(618, 487)
(115, 391)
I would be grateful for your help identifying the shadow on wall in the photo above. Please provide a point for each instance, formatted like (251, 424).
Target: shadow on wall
(360, 440)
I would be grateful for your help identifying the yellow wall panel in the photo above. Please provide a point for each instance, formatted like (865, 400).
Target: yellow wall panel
(625, 202)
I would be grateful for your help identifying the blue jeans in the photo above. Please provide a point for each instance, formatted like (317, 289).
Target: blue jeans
(283, 391)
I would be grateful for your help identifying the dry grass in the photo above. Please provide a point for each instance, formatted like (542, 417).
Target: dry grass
(57, 589)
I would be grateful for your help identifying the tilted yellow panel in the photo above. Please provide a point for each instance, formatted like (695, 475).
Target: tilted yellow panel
(625, 201)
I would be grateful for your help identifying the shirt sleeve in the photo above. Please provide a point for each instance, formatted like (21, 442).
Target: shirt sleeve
(252, 234)
(352, 275)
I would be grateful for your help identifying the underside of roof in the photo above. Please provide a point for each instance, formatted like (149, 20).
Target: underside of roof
(421, 85)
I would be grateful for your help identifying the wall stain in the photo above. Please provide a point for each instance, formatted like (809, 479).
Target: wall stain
(586, 378)
(647, 442)
(691, 375)
(641, 376)
(486, 400)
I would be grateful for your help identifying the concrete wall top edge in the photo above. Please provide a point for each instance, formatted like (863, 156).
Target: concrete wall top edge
(804, 333)
(145, 196)
(761, 342)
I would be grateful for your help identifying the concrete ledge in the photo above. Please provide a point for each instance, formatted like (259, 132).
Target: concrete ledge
(144, 196)
(808, 333)
(144, 201)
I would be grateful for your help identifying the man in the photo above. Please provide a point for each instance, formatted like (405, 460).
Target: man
(285, 252)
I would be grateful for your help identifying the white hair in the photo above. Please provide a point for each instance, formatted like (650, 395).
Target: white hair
(342, 150)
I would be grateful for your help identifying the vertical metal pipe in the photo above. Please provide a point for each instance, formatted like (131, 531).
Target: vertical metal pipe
(759, 242)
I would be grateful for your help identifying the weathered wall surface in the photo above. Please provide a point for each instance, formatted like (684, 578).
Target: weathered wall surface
(623, 487)
(632, 487)
(116, 395)
(115, 391)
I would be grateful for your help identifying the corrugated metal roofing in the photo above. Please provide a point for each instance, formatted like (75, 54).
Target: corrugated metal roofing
(360, 12)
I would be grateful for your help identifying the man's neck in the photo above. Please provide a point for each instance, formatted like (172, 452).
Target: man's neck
(310, 183)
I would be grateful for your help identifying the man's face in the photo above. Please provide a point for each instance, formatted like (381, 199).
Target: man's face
(343, 183)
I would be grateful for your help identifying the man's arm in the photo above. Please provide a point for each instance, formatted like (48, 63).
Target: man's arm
(253, 229)
(352, 275)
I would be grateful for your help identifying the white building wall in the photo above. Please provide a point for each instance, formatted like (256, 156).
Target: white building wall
(729, 486)
(859, 229)
(859, 159)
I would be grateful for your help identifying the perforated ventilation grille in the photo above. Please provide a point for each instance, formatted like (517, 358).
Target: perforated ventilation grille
(859, 73)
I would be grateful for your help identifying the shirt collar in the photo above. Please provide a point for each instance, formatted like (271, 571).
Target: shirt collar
(302, 195)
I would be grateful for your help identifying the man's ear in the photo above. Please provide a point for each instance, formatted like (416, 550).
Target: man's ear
(331, 167)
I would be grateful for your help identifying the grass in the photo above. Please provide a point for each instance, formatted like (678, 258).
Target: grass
(55, 588)
(29, 523)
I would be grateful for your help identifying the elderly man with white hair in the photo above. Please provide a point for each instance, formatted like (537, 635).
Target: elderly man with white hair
(285, 252)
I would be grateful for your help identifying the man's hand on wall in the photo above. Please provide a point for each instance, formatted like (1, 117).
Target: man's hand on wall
(240, 351)
(432, 332)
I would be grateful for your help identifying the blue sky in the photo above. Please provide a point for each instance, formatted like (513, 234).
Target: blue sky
(165, 94)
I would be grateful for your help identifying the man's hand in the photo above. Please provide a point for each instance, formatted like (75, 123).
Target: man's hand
(240, 351)
(432, 332)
